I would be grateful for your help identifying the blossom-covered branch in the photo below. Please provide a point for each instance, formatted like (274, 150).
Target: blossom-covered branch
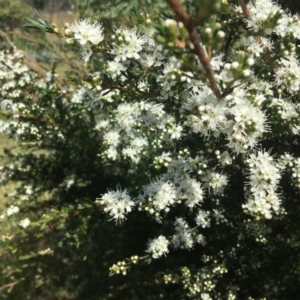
(266, 55)
(188, 22)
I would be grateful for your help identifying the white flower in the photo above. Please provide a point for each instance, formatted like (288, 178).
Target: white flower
(138, 143)
(79, 95)
(86, 53)
(115, 68)
(132, 153)
(129, 43)
(6, 105)
(112, 153)
(183, 237)
(85, 31)
(152, 113)
(102, 124)
(117, 204)
(200, 239)
(254, 47)
(247, 126)
(208, 113)
(155, 57)
(260, 12)
(217, 182)
(161, 192)
(168, 80)
(284, 161)
(112, 138)
(126, 115)
(24, 223)
(216, 62)
(175, 132)
(189, 189)
(263, 180)
(288, 73)
(202, 219)
(158, 247)
(205, 296)
(12, 210)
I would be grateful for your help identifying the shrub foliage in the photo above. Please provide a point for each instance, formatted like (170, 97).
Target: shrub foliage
(171, 163)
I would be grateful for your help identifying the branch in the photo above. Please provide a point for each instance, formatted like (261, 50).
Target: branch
(183, 16)
(4, 35)
(268, 58)
(9, 285)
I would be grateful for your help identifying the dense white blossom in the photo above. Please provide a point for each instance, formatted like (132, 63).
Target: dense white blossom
(24, 223)
(117, 204)
(158, 247)
(263, 180)
(203, 219)
(260, 12)
(114, 68)
(12, 210)
(183, 236)
(128, 43)
(288, 74)
(210, 116)
(85, 31)
(256, 48)
(161, 193)
(189, 190)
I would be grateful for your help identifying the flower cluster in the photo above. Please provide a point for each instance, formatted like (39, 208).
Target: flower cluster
(269, 17)
(25, 223)
(127, 44)
(86, 34)
(158, 247)
(287, 73)
(203, 219)
(117, 204)
(122, 266)
(183, 236)
(264, 178)
(159, 195)
(236, 118)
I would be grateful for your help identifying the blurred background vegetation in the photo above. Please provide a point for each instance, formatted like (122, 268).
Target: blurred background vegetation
(48, 50)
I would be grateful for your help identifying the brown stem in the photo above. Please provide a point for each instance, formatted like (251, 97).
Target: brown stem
(268, 58)
(183, 16)
(198, 18)
(9, 285)
(193, 229)
(144, 257)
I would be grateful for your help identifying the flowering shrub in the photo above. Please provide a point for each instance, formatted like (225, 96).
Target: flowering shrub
(174, 161)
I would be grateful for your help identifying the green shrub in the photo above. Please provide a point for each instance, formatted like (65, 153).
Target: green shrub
(173, 158)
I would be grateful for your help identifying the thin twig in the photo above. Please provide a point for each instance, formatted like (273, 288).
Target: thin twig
(144, 257)
(47, 229)
(183, 16)
(198, 18)
(11, 284)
